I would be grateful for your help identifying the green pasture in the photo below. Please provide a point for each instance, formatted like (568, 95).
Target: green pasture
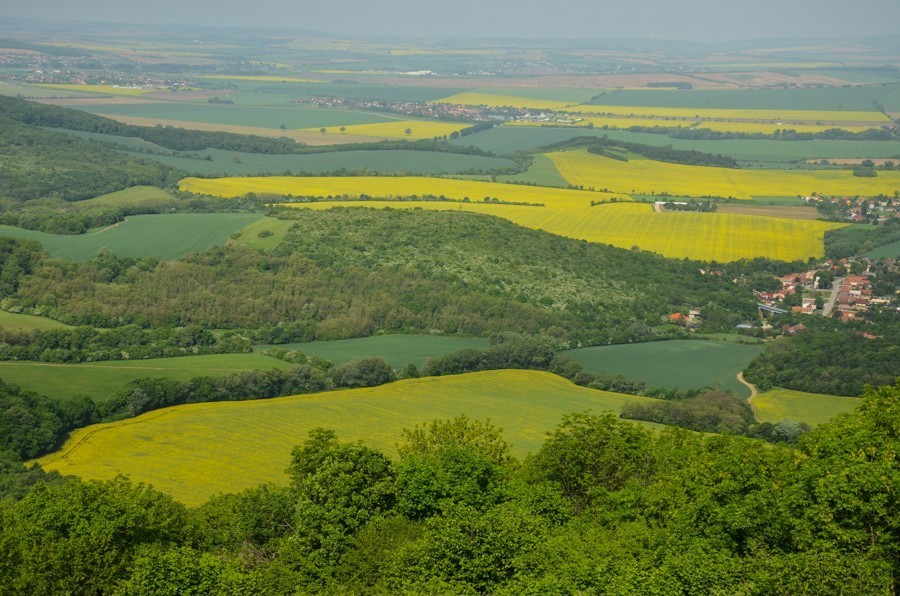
(397, 350)
(18, 322)
(193, 452)
(542, 172)
(136, 195)
(814, 409)
(504, 140)
(263, 234)
(162, 236)
(233, 163)
(888, 251)
(101, 380)
(235, 115)
(573, 95)
(677, 364)
(855, 98)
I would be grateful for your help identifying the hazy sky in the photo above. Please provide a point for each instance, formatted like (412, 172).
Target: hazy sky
(700, 20)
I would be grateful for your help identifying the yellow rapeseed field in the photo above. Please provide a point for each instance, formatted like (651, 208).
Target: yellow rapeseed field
(195, 451)
(391, 187)
(105, 89)
(504, 101)
(646, 176)
(717, 236)
(420, 129)
(722, 237)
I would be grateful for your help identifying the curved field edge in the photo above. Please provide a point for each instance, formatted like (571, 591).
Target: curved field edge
(195, 451)
(721, 237)
(779, 404)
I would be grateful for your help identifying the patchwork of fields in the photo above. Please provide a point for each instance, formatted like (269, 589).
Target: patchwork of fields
(646, 176)
(198, 450)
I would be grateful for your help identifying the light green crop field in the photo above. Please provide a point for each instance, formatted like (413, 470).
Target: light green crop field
(646, 176)
(162, 236)
(786, 404)
(263, 234)
(17, 322)
(193, 452)
(101, 380)
(136, 195)
(397, 350)
(254, 116)
(678, 364)
(888, 251)
(542, 172)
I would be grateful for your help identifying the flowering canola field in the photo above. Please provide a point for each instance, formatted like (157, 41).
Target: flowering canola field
(646, 176)
(721, 237)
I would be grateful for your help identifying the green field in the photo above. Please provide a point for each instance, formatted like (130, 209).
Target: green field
(257, 92)
(101, 380)
(256, 116)
(509, 139)
(232, 163)
(161, 236)
(857, 98)
(397, 350)
(785, 404)
(888, 251)
(198, 450)
(678, 364)
(136, 195)
(541, 172)
(18, 322)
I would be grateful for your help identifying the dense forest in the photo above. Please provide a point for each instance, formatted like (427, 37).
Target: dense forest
(603, 507)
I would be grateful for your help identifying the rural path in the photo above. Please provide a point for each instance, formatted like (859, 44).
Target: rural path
(115, 225)
(740, 377)
(835, 288)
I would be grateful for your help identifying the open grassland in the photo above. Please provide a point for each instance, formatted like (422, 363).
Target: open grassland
(786, 211)
(391, 187)
(101, 380)
(812, 408)
(136, 195)
(888, 251)
(738, 115)
(419, 129)
(103, 89)
(263, 234)
(704, 236)
(196, 451)
(161, 236)
(677, 364)
(18, 322)
(397, 350)
(646, 176)
(542, 172)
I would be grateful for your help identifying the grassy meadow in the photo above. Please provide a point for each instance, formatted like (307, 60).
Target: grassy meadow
(198, 450)
(786, 404)
(646, 176)
(18, 322)
(101, 380)
(161, 236)
(676, 364)
(397, 350)
(136, 195)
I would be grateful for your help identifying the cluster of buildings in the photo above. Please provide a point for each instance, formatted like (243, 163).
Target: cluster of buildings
(875, 210)
(854, 296)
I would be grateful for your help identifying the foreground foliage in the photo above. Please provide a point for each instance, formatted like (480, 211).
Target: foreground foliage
(602, 507)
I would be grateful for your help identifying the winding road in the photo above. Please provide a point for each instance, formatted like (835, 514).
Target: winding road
(740, 377)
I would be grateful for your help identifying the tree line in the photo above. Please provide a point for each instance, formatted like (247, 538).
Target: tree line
(602, 507)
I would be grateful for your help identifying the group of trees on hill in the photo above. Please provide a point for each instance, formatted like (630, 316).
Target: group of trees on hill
(353, 272)
(602, 507)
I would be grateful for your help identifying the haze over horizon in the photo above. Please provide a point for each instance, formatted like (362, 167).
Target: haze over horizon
(706, 21)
